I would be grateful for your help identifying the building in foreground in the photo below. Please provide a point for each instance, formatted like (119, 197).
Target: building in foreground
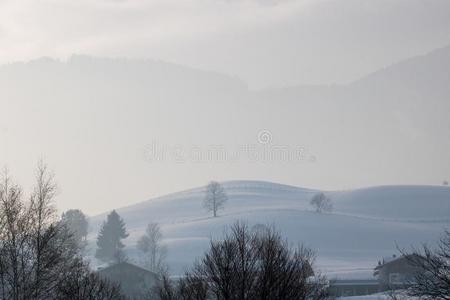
(395, 272)
(135, 282)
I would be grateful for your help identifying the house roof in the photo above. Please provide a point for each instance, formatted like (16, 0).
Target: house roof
(134, 281)
(126, 265)
(391, 261)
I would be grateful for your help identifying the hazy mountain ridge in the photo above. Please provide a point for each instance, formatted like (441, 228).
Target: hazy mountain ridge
(427, 71)
(82, 70)
(118, 107)
(421, 70)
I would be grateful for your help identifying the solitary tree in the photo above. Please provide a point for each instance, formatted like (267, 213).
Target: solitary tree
(155, 252)
(77, 223)
(215, 197)
(321, 203)
(109, 240)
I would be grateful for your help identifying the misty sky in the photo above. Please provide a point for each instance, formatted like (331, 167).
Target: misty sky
(96, 149)
(264, 42)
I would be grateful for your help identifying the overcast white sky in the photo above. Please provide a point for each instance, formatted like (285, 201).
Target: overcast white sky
(264, 42)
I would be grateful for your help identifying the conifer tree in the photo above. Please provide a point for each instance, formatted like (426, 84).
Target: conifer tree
(109, 240)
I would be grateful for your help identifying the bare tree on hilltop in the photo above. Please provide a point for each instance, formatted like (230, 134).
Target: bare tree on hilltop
(321, 203)
(215, 197)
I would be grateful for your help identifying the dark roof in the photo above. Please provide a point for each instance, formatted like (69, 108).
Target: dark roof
(126, 265)
(403, 257)
(135, 282)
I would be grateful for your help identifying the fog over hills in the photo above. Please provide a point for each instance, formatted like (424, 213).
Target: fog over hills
(97, 120)
(135, 134)
(366, 223)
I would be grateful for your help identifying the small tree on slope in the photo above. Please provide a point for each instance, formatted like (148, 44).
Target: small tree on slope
(154, 251)
(321, 203)
(215, 197)
(109, 240)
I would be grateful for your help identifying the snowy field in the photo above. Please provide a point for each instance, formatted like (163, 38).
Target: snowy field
(366, 224)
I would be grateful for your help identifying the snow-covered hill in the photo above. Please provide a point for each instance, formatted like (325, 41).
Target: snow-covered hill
(367, 223)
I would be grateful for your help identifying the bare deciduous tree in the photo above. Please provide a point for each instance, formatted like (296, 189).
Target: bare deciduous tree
(215, 197)
(252, 265)
(433, 279)
(155, 252)
(36, 249)
(166, 290)
(321, 203)
(192, 288)
(43, 213)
